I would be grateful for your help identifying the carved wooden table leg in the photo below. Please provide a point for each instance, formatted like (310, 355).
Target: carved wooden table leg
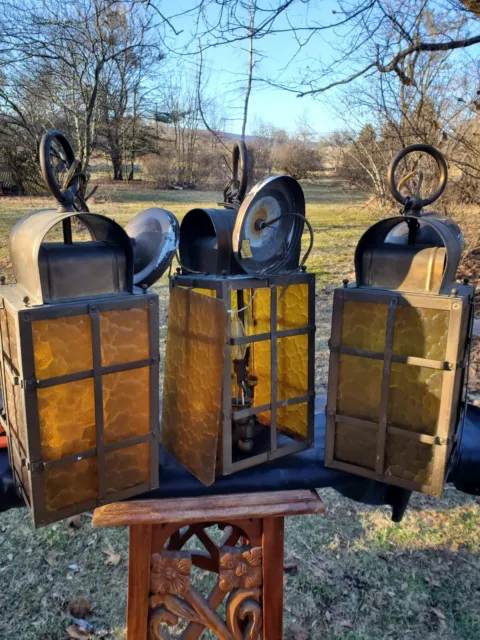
(246, 556)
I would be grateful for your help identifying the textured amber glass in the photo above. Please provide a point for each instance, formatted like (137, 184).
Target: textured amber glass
(124, 335)
(126, 401)
(414, 397)
(128, 467)
(355, 445)
(70, 485)
(16, 414)
(62, 346)
(192, 393)
(364, 325)
(9, 337)
(67, 418)
(292, 306)
(359, 387)
(421, 333)
(408, 459)
(292, 353)
(293, 420)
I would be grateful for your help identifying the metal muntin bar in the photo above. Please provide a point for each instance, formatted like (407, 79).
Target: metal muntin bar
(118, 302)
(98, 394)
(253, 411)
(208, 281)
(448, 399)
(260, 337)
(226, 436)
(399, 431)
(405, 299)
(273, 368)
(410, 360)
(89, 373)
(91, 453)
(154, 399)
(266, 456)
(387, 368)
(311, 362)
(333, 374)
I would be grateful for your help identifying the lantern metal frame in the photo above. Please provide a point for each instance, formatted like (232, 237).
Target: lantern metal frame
(460, 307)
(223, 287)
(31, 457)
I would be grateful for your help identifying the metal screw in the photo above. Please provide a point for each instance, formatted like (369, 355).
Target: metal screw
(304, 268)
(454, 292)
(26, 317)
(451, 366)
(455, 306)
(150, 303)
(466, 280)
(178, 271)
(345, 282)
(144, 286)
(26, 301)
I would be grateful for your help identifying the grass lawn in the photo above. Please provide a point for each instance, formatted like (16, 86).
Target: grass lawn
(352, 573)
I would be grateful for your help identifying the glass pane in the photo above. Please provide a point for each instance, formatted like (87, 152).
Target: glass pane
(292, 306)
(421, 333)
(16, 415)
(261, 369)
(359, 387)
(414, 397)
(67, 418)
(293, 420)
(292, 358)
(364, 325)
(124, 335)
(72, 484)
(62, 346)
(408, 459)
(127, 467)
(258, 312)
(192, 394)
(9, 337)
(355, 445)
(126, 404)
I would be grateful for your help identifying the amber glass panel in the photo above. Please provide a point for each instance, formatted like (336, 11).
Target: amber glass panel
(124, 335)
(127, 467)
(192, 393)
(67, 418)
(62, 346)
(414, 397)
(126, 412)
(9, 337)
(364, 325)
(72, 484)
(258, 312)
(292, 306)
(292, 354)
(359, 387)
(408, 459)
(293, 420)
(16, 415)
(421, 333)
(355, 445)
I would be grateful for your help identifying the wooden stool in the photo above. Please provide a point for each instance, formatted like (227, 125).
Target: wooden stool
(248, 560)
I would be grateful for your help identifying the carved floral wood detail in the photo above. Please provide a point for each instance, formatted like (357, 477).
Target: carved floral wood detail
(173, 599)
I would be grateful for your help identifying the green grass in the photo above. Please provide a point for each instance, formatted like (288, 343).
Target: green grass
(357, 575)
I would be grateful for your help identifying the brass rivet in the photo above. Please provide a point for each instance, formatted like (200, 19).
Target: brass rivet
(345, 282)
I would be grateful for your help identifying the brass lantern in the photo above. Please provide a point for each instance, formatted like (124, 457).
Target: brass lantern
(79, 363)
(399, 347)
(239, 368)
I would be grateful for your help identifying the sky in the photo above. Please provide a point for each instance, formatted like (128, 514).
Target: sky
(227, 65)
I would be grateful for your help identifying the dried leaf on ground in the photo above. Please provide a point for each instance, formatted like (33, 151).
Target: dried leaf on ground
(346, 623)
(51, 558)
(328, 616)
(75, 522)
(113, 557)
(439, 613)
(79, 606)
(298, 632)
(291, 565)
(78, 634)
